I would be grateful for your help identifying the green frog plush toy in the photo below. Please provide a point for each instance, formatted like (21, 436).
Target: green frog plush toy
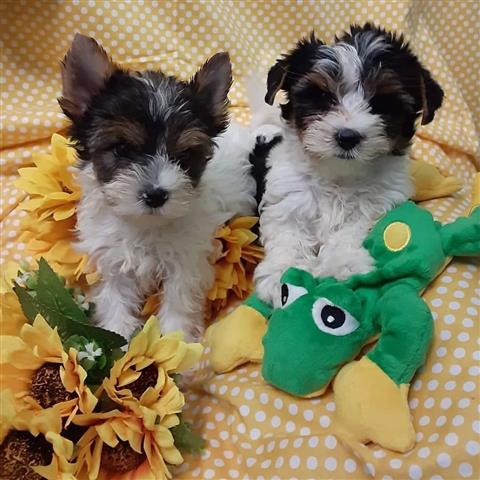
(323, 324)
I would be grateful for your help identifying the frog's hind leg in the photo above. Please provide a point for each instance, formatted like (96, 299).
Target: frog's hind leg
(372, 394)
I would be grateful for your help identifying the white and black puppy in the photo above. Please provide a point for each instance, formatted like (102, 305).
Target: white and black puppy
(157, 177)
(351, 113)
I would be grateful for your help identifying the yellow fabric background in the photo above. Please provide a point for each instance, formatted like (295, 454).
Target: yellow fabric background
(253, 430)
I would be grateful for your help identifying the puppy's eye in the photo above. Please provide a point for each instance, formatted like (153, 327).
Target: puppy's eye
(121, 150)
(332, 319)
(290, 293)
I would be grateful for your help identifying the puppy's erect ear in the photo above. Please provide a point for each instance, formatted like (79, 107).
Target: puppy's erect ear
(211, 84)
(292, 66)
(85, 70)
(432, 96)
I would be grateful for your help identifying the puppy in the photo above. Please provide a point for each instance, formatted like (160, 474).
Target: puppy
(351, 113)
(157, 177)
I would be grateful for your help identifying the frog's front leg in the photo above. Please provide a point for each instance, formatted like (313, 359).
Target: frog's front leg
(372, 394)
(237, 338)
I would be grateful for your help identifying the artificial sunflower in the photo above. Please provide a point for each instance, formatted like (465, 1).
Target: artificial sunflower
(11, 316)
(235, 264)
(53, 191)
(41, 375)
(53, 195)
(141, 379)
(119, 445)
(31, 446)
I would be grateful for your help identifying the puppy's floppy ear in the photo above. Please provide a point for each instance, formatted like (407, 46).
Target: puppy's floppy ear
(432, 96)
(85, 70)
(292, 66)
(211, 84)
(275, 80)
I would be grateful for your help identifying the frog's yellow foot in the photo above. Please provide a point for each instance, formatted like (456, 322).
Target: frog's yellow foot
(430, 183)
(236, 339)
(372, 408)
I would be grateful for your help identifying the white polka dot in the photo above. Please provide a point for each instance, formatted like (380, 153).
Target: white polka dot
(444, 460)
(465, 470)
(450, 385)
(209, 473)
(266, 463)
(312, 463)
(260, 416)
(244, 410)
(424, 452)
(446, 403)
(308, 415)
(313, 442)
(255, 434)
(432, 385)
(248, 395)
(424, 420)
(324, 421)
(441, 420)
(472, 447)
(415, 472)
(292, 409)
(469, 386)
(455, 369)
(290, 426)
(350, 465)
(278, 403)
(330, 464)
(275, 421)
(294, 462)
(451, 439)
(459, 352)
(458, 420)
(330, 442)
(235, 391)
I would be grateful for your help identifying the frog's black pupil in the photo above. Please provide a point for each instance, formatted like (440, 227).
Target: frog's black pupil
(332, 316)
(284, 294)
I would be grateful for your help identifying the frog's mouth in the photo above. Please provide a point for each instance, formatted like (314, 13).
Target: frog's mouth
(296, 377)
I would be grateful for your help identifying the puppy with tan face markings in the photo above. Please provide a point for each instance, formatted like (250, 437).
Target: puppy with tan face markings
(159, 172)
(351, 113)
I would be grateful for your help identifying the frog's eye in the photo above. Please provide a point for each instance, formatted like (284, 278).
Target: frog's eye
(290, 293)
(332, 319)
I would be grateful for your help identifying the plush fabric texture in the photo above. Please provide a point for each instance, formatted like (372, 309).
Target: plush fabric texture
(253, 429)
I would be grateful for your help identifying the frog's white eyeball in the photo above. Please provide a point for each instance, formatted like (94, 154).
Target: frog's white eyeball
(332, 319)
(290, 293)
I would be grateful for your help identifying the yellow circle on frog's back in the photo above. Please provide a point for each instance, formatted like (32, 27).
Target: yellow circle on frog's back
(397, 236)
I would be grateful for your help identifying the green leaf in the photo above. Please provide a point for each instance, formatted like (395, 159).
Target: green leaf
(55, 303)
(186, 440)
(52, 293)
(30, 307)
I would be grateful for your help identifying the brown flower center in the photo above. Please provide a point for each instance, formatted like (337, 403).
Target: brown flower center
(121, 458)
(19, 452)
(148, 378)
(47, 387)
(66, 189)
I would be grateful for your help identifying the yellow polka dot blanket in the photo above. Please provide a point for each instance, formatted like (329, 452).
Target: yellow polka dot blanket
(251, 429)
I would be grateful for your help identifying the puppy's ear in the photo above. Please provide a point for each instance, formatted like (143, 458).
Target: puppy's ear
(432, 96)
(85, 70)
(211, 84)
(292, 66)
(275, 80)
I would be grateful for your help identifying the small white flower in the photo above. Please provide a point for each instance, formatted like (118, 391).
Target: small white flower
(22, 279)
(89, 352)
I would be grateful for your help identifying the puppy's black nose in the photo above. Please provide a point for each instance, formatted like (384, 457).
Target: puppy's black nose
(348, 138)
(155, 198)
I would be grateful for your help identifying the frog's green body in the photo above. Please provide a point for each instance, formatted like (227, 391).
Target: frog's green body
(324, 323)
(305, 346)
